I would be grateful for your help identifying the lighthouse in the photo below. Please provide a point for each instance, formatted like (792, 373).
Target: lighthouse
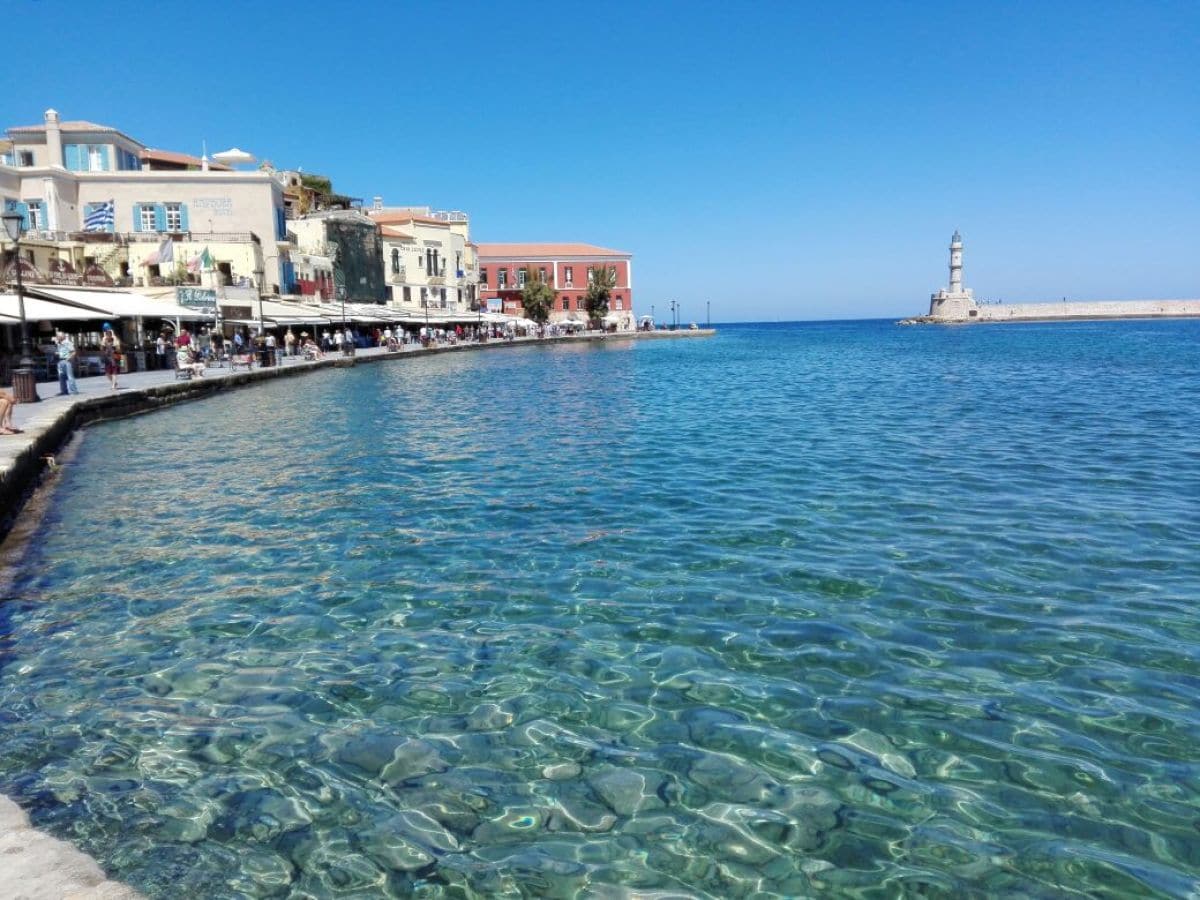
(956, 302)
(956, 263)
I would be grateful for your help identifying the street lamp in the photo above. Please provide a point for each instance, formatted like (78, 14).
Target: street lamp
(24, 381)
(258, 278)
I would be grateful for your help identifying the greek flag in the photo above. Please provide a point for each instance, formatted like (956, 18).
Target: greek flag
(100, 218)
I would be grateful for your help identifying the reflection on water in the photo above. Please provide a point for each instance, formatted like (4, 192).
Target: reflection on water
(837, 609)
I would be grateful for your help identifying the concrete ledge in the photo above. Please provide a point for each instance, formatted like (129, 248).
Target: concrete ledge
(35, 866)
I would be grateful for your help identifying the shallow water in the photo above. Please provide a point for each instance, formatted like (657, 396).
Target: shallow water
(832, 609)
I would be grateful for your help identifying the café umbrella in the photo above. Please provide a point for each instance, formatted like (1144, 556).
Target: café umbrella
(234, 156)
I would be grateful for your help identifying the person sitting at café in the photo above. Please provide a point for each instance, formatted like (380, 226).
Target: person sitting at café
(7, 401)
(186, 360)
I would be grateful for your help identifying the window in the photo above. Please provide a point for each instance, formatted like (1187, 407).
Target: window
(520, 278)
(443, 298)
(395, 261)
(174, 217)
(25, 158)
(620, 302)
(37, 218)
(569, 275)
(579, 303)
(501, 278)
(542, 273)
(97, 158)
(407, 294)
(425, 297)
(483, 278)
(146, 219)
(566, 303)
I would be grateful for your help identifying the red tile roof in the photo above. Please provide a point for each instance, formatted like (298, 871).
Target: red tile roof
(387, 231)
(400, 218)
(182, 159)
(524, 251)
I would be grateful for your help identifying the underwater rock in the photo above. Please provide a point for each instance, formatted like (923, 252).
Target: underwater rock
(628, 791)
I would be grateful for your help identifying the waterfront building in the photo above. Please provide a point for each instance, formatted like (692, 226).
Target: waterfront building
(430, 262)
(568, 268)
(96, 200)
(346, 243)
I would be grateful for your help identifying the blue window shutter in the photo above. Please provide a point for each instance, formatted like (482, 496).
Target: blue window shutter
(137, 217)
(71, 157)
(160, 217)
(183, 218)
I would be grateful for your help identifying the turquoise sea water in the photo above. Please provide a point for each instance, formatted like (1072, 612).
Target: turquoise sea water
(837, 609)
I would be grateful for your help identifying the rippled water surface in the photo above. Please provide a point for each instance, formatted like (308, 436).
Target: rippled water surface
(809, 610)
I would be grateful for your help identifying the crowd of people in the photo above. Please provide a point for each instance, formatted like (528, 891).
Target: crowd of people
(194, 353)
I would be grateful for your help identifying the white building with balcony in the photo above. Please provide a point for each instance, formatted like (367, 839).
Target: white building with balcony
(429, 262)
(90, 201)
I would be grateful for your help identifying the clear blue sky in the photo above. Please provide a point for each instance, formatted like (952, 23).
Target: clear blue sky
(783, 160)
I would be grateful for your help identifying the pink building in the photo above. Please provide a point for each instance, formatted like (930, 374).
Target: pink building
(565, 267)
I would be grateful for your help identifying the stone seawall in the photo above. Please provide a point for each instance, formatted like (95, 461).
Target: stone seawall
(1097, 309)
(1068, 311)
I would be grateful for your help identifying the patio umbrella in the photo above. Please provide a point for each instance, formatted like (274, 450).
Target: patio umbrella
(233, 157)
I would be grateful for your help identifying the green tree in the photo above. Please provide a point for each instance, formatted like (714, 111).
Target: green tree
(602, 280)
(536, 296)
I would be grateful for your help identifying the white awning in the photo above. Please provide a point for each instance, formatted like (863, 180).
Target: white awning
(37, 310)
(121, 304)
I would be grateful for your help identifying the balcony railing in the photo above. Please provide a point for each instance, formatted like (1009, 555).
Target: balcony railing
(398, 276)
(437, 279)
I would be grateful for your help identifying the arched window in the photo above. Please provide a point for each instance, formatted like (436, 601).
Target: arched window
(395, 261)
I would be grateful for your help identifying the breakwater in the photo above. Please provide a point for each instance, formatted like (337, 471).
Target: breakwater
(1060, 312)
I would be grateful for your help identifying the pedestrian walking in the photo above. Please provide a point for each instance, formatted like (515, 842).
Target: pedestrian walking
(289, 342)
(66, 365)
(110, 352)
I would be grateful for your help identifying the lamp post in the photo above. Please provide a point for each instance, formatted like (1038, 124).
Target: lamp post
(24, 381)
(258, 278)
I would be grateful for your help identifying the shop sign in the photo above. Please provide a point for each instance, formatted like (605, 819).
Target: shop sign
(29, 272)
(96, 276)
(236, 312)
(203, 299)
(62, 272)
(214, 206)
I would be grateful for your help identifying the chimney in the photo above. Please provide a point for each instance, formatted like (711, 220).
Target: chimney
(54, 151)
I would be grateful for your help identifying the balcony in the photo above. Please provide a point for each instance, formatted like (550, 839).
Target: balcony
(437, 279)
(399, 276)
